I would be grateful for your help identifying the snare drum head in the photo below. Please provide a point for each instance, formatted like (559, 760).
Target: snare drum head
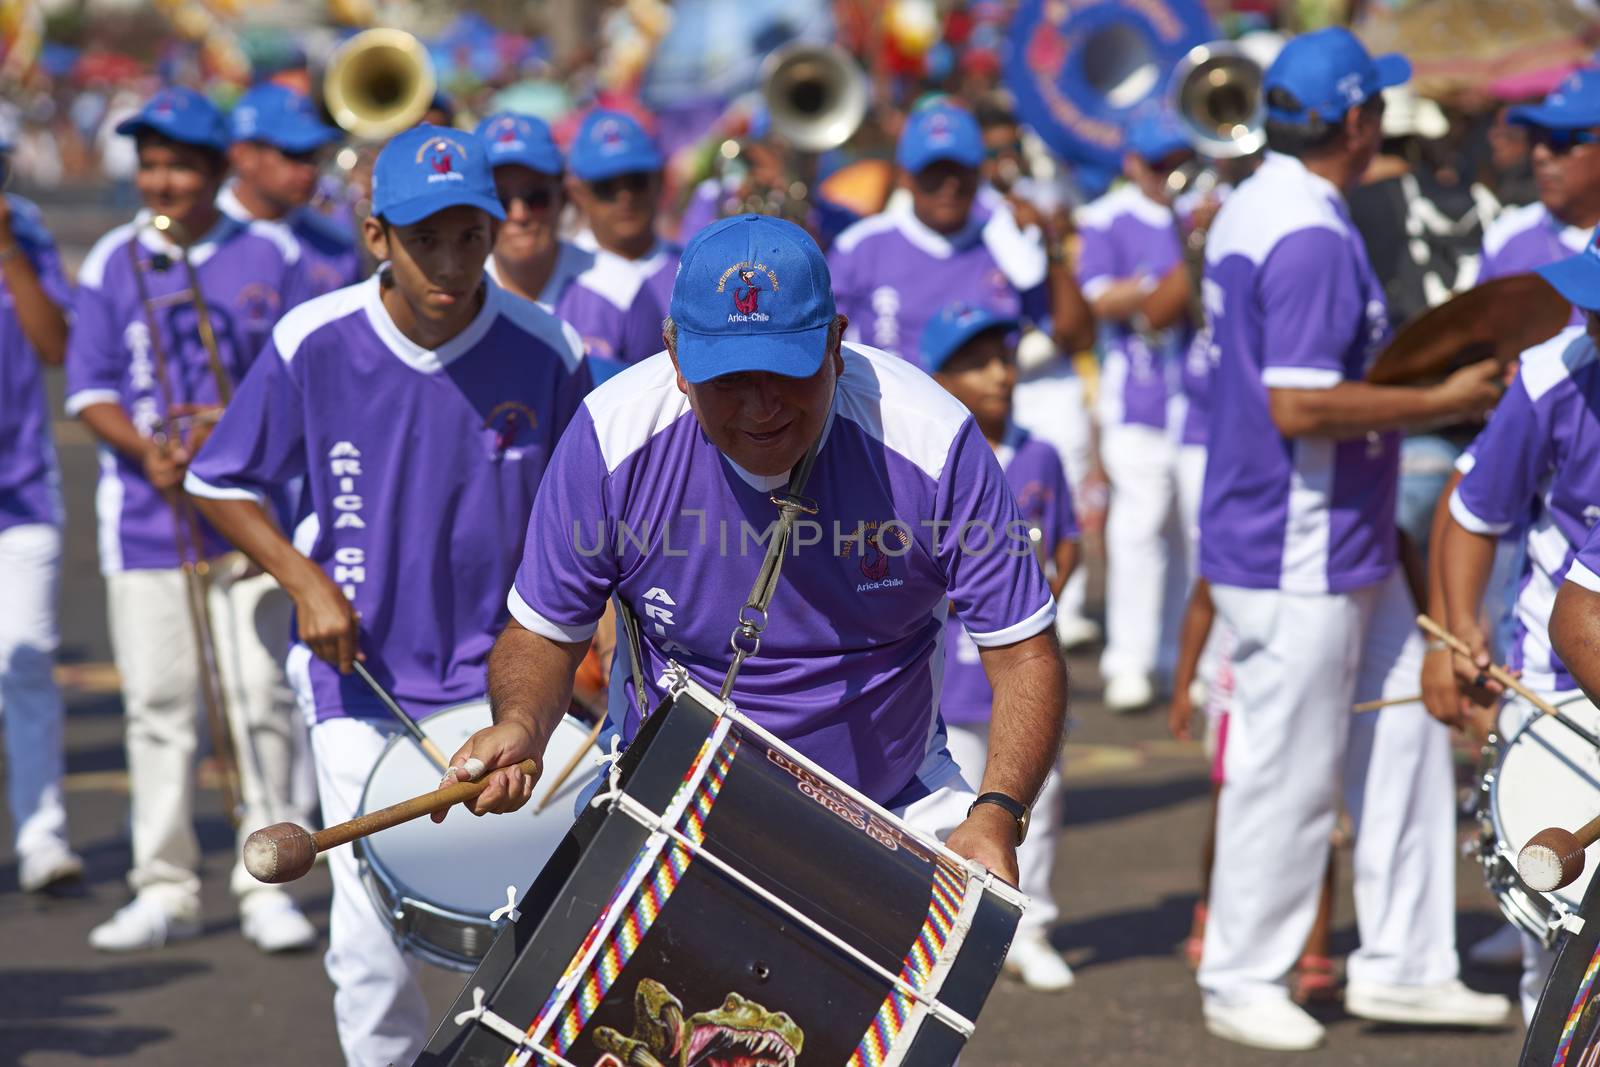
(1549, 776)
(466, 862)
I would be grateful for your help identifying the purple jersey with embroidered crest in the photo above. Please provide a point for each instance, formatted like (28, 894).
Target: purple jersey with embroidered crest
(328, 254)
(250, 274)
(1293, 303)
(28, 476)
(1125, 235)
(892, 274)
(1033, 471)
(1526, 238)
(637, 500)
(1534, 466)
(601, 296)
(420, 468)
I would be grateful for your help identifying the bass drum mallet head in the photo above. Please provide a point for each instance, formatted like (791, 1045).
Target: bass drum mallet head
(1551, 859)
(279, 853)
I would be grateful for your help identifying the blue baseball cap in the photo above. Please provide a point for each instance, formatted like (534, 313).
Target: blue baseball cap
(429, 168)
(954, 326)
(611, 143)
(939, 132)
(1329, 72)
(752, 294)
(1572, 105)
(181, 115)
(279, 116)
(519, 139)
(1157, 135)
(1577, 278)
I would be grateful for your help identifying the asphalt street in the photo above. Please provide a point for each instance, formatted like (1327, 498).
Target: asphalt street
(1136, 806)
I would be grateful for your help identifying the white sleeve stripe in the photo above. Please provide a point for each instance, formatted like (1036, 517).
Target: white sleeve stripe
(84, 398)
(1470, 522)
(533, 622)
(1583, 577)
(1300, 378)
(195, 486)
(1036, 623)
(1093, 287)
(1465, 462)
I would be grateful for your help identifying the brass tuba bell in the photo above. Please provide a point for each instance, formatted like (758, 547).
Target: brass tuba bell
(815, 94)
(378, 83)
(1215, 91)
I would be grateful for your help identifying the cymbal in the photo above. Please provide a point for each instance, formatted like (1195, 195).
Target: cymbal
(1496, 320)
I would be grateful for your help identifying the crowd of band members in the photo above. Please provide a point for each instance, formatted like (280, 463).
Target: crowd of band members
(1252, 479)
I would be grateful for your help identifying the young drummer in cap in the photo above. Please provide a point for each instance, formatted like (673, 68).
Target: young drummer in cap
(140, 376)
(420, 407)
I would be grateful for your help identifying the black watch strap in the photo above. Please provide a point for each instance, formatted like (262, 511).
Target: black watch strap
(1011, 806)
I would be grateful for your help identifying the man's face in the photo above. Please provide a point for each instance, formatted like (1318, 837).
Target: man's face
(533, 204)
(286, 180)
(1366, 135)
(941, 195)
(982, 375)
(1566, 166)
(436, 264)
(764, 422)
(178, 180)
(1003, 163)
(620, 209)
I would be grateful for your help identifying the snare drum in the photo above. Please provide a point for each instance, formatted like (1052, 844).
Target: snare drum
(724, 900)
(437, 884)
(1546, 775)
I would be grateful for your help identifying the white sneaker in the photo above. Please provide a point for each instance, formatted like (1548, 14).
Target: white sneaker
(1075, 631)
(1501, 950)
(48, 865)
(140, 924)
(273, 923)
(1275, 1023)
(1447, 1004)
(1040, 966)
(1128, 692)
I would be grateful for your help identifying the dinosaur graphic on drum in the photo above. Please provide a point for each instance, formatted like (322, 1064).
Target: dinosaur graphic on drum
(740, 1033)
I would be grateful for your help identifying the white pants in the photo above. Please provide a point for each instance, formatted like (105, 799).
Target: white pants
(152, 640)
(1036, 857)
(1146, 574)
(1191, 474)
(1300, 663)
(1049, 404)
(378, 1006)
(30, 704)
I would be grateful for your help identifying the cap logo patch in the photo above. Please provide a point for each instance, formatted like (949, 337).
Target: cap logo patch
(440, 154)
(610, 135)
(938, 130)
(746, 285)
(163, 107)
(1349, 87)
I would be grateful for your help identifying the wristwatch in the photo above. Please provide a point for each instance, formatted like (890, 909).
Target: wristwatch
(1011, 806)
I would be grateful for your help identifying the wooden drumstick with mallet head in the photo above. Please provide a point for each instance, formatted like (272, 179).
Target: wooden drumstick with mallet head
(283, 851)
(1553, 858)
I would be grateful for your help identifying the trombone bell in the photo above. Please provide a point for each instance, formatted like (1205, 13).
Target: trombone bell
(379, 83)
(815, 94)
(1216, 93)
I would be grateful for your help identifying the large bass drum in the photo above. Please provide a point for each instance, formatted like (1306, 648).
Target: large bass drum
(440, 885)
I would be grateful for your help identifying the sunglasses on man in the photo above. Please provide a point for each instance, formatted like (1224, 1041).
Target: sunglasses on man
(608, 189)
(1560, 142)
(536, 197)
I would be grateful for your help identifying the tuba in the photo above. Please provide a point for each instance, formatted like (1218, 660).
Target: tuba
(816, 95)
(378, 83)
(1215, 91)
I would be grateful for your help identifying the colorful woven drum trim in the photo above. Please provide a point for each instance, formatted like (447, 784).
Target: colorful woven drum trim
(949, 890)
(1578, 1002)
(642, 912)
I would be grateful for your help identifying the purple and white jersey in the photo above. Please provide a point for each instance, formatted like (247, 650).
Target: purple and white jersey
(420, 469)
(1033, 471)
(1534, 466)
(28, 477)
(327, 255)
(892, 274)
(657, 269)
(1126, 235)
(913, 512)
(1585, 569)
(604, 298)
(1292, 303)
(1526, 238)
(250, 274)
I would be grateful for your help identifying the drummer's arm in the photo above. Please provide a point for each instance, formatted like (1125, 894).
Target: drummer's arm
(1352, 409)
(1465, 559)
(1575, 633)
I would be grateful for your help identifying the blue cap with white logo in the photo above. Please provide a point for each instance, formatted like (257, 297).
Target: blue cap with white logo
(279, 116)
(1329, 72)
(939, 132)
(610, 143)
(429, 168)
(752, 294)
(181, 115)
(1577, 277)
(519, 139)
(1572, 105)
(954, 326)
(1156, 135)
